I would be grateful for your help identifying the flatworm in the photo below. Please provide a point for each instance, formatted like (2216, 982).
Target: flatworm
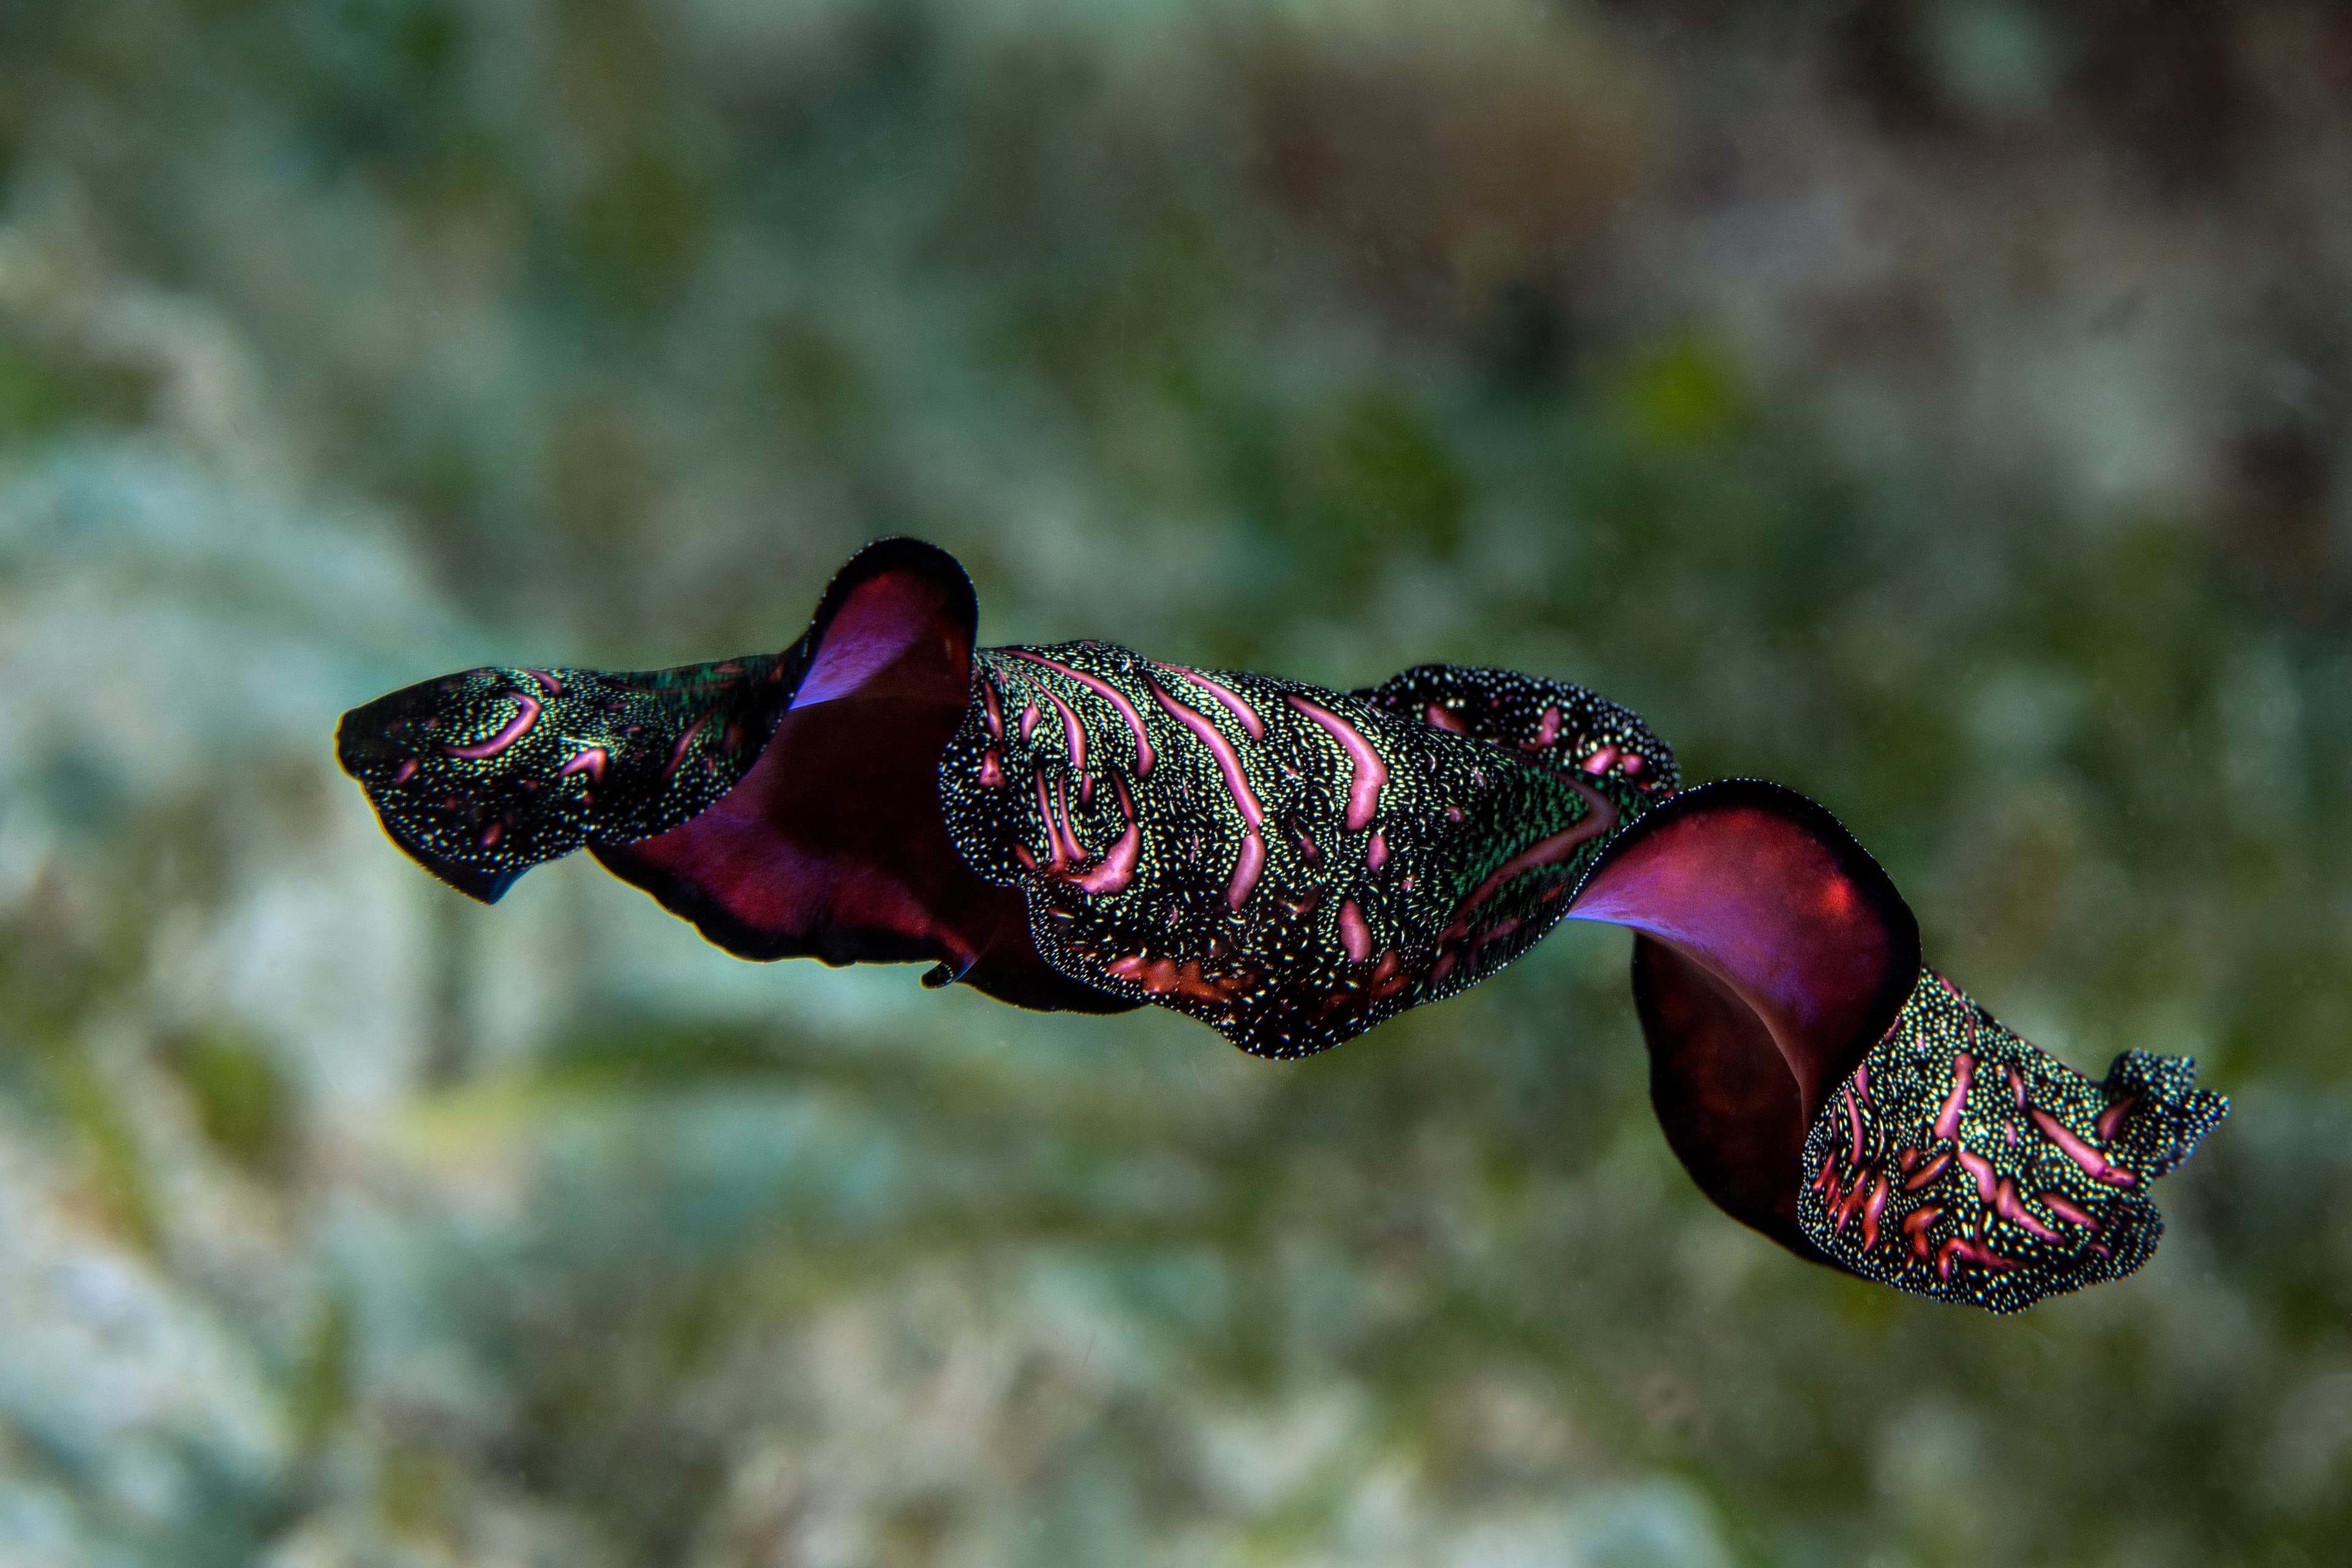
(1292, 866)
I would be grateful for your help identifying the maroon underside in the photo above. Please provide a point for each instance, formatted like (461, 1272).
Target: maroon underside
(1770, 953)
(1724, 1096)
(833, 845)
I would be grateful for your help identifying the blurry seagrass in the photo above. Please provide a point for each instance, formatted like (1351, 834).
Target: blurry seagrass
(1938, 405)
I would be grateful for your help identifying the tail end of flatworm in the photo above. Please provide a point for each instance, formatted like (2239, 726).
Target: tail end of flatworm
(2165, 1114)
(1962, 1161)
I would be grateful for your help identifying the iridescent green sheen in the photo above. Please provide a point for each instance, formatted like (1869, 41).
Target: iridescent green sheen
(482, 774)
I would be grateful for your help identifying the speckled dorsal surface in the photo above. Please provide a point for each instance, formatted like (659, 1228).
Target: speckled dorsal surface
(1548, 722)
(482, 774)
(1291, 864)
(1959, 1161)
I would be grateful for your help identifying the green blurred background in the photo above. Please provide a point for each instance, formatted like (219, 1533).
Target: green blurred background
(1938, 406)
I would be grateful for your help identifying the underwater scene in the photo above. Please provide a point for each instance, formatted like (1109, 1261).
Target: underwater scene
(1126, 530)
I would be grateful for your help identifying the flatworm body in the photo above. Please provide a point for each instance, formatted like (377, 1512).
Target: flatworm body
(1078, 826)
(1288, 864)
